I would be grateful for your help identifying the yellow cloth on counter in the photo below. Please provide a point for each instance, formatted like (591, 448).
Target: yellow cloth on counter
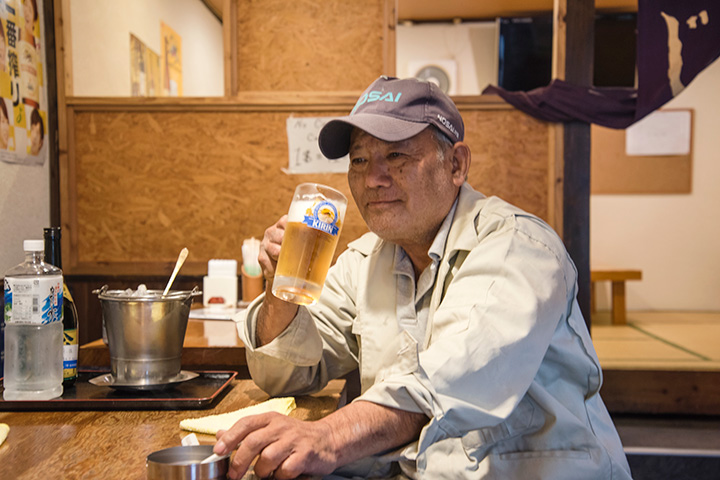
(211, 424)
(4, 430)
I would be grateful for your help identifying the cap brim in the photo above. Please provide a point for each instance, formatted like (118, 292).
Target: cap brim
(334, 138)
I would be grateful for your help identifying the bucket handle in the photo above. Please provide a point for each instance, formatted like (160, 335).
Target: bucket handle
(101, 290)
(194, 293)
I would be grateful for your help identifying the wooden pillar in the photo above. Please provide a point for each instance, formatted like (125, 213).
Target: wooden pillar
(573, 62)
(230, 41)
(390, 20)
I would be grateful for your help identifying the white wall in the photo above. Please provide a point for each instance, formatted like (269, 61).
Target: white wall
(101, 43)
(24, 209)
(673, 239)
(472, 45)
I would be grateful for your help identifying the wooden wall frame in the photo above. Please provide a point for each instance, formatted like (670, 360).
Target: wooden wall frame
(100, 198)
(230, 53)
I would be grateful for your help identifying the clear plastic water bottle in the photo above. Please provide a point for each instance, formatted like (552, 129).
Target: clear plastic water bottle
(33, 328)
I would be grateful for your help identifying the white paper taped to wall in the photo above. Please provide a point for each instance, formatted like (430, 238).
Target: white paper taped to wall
(665, 132)
(304, 152)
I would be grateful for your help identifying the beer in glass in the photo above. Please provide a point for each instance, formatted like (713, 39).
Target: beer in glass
(314, 222)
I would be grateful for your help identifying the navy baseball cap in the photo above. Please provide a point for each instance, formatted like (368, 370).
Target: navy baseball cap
(392, 110)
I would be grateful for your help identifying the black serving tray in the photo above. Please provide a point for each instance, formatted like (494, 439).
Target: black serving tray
(203, 391)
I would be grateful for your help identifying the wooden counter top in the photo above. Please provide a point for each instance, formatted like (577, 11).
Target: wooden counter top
(114, 444)
(208, 344)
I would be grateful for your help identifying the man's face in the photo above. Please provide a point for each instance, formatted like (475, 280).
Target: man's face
(403, 190)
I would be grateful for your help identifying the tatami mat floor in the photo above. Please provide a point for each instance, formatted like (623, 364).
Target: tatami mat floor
(662, 340)
(664, 446)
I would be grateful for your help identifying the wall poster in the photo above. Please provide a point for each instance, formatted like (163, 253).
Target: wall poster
(152, 72)
(171, 61)
(144, 70)
(138, 85)
(23, 87)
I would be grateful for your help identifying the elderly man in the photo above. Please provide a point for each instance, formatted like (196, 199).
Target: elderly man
(459, 310)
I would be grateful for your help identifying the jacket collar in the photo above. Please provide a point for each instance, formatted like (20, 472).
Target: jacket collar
(463, 233)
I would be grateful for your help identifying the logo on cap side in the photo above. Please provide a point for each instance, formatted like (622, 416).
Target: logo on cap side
(376, 96)
(448, 125)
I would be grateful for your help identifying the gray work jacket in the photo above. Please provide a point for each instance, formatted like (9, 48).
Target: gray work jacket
(507, 373)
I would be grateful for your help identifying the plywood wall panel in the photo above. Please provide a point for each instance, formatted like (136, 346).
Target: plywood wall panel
(148, 183)
(309, 46)
(509, 157)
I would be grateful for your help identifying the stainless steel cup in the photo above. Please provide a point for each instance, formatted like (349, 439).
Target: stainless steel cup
(145, 334)
(183, 463)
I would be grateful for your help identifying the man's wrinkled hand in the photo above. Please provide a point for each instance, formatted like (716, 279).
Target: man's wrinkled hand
(283, 446)
(270, 247)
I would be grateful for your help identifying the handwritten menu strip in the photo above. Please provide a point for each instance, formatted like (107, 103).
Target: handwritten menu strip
(303, 150)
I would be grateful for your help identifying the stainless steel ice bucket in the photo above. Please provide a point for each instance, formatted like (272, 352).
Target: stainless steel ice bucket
(145, 334)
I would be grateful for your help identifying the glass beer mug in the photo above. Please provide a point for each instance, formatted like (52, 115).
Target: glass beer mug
(316, 216)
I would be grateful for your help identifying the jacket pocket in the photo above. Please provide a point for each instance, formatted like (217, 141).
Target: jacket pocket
(400, 360)
(526, 418)
(545, 464)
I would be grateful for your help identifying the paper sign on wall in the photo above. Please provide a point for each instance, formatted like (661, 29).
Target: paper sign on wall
(664, 132)
(304, 152)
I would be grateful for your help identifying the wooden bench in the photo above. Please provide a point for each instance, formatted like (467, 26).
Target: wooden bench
(618, 278)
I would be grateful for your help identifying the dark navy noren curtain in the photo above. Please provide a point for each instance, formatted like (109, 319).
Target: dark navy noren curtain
(676, 40)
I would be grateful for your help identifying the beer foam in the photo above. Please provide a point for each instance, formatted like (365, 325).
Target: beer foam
(298, 210)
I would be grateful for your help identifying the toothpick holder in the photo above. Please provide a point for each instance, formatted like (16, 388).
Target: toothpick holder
(252, 285)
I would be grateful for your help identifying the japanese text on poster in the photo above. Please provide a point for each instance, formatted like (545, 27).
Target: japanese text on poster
(23, 97)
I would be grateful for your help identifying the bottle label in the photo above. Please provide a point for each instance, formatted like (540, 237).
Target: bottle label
(36, 300)
(70, 353)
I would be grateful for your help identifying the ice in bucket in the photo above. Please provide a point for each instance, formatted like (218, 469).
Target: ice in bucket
(315, 219)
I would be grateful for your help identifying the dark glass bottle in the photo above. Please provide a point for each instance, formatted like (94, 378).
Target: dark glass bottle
(53, 256)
